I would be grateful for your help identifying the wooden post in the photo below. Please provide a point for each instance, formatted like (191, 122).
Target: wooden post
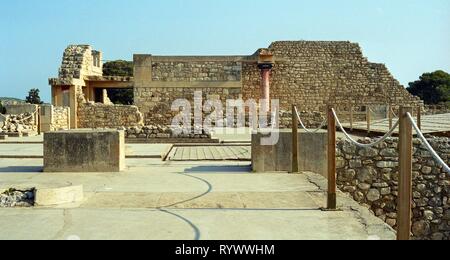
(419, 117)
(405, 177)
(331, 202)
(351, 118)
(390, 116)
(39, 120)
(368, 117)
(295, 168)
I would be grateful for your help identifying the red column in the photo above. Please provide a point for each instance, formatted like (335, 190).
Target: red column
(265, 88)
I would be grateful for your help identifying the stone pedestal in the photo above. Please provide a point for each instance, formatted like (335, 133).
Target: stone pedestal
(84, 151)
(278, 157)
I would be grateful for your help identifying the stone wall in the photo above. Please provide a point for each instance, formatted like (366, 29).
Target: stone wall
(97, 115)
(312, 74)
(196, 71)
(79, 61)
(60, 118)
(18, 109)
(309, 74)
(18, 124)
(155, 103)
(370, 176)
(158, 132)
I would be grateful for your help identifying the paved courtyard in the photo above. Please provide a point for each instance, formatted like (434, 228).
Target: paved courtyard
(153, 199)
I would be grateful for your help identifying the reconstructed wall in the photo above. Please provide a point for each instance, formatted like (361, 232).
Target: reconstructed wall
(97, 115)
(17, 109)
(371, 177)
(80, 60)
(311, 74)
(155, 103)
(60, 118)
(158, 81)
(196, 71)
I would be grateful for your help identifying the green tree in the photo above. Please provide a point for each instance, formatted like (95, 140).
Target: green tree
(33, 97)
(124, 69)
(433, 88)
(118, 68)
(2, 109)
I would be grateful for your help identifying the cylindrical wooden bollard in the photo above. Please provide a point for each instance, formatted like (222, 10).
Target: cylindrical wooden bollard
(331, 150)
(295, 168)
(368, 117)
(405, 176)
(39, 120)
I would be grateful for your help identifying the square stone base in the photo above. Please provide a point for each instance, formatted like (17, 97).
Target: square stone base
(84, 151)
(312, 150)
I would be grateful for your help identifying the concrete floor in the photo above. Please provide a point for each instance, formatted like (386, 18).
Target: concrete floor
(185, 200)
(35, 150)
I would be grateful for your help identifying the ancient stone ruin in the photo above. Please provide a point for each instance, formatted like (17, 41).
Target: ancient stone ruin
(306, 73)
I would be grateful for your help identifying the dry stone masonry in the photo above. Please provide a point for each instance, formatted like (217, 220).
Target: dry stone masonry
(196, 71)
(370, 176)
(17, 198)
(309, 74)
(97, 115)
(60, 118)
(23, 123)
(80, 60)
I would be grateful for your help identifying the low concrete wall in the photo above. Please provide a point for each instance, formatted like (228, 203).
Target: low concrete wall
(278, 158)
(19, 109)
(84, 151)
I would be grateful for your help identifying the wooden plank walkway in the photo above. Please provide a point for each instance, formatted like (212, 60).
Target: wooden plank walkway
(211, 153)
(430, 124)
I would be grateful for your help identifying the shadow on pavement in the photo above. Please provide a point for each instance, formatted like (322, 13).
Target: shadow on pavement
(21, 169)
(220, 169)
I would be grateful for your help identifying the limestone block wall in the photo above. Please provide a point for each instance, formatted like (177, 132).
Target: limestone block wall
(97, 115)
(17, 109)
(371, 176)
(311, 74)
(196, 71)
(155, 103)
(79, 61)
(60, 118)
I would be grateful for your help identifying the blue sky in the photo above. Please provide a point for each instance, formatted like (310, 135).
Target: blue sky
(409, 36)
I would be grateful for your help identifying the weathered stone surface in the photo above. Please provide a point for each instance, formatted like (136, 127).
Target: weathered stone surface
(389, 152)
(84, 151)
(17, 198)
(378, 188)
(387, 164)
(366, 174)
(373, 195)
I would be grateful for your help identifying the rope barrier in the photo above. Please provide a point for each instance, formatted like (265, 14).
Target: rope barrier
(31, 116)
(388, 134)
(24, 119)
(427, 144)
(393, 113)
(324, 122)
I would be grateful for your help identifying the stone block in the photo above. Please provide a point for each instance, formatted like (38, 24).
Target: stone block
(84, 151)
(278, 157)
